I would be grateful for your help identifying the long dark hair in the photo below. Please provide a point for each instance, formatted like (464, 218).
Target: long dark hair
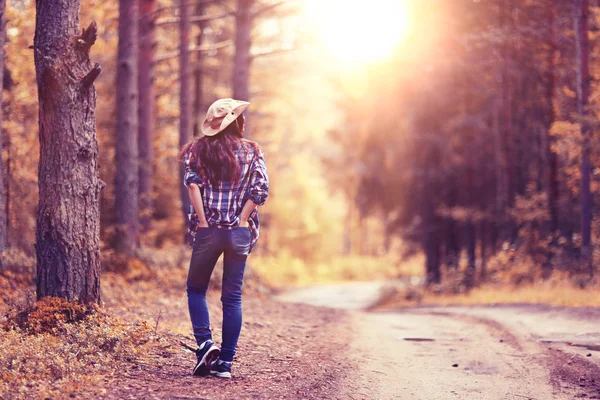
(213, 157)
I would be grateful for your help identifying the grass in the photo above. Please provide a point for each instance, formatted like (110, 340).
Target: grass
(55, 347)
(285, 271)
(556, 291)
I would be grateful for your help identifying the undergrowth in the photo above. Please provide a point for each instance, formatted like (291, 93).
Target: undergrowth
(56, 347)
(512, 277)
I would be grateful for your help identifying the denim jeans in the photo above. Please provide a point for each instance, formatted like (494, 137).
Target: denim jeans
(209, 244)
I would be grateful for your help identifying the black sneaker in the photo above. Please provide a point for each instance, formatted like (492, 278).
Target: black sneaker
(207, 353)
(221, 369)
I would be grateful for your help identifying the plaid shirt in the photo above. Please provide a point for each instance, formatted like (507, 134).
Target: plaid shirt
(223, 204)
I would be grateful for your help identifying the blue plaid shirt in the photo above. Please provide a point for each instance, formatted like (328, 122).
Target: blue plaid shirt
(223, 204)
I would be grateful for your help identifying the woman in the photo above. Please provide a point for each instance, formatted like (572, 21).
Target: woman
(227, 180)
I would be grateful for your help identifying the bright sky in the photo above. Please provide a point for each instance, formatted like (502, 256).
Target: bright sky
(363, 31)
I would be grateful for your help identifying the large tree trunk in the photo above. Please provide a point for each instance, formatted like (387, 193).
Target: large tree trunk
(583, 91)
(184, 94)
(241, 62)
(146, 109)
(126, 143)
(198, 113)
(68, 218)
(3, 219)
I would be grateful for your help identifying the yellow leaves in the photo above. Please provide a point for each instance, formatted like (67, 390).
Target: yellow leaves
(565, 129)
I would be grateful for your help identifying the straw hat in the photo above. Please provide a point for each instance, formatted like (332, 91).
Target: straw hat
(221, 113)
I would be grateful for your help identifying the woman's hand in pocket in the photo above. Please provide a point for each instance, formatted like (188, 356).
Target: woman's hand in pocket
(244, 224)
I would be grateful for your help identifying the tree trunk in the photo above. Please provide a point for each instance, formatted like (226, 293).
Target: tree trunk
(452, 244)
(431, 247)
(184, 95)
(198, 112)
(68, 217)
(146, 109)
(583, 90)
(483, 255)
(126, 152)
(507, 90)
(241, 62)
(3, 219)
(471, 245)
(553, 185)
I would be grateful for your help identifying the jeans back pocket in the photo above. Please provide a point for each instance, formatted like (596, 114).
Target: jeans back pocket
(203, 240)
(241, 239)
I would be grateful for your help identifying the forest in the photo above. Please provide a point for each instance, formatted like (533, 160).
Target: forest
(448, 143)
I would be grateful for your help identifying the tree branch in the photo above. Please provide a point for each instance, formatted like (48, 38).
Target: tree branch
(271, 53)
(211, 47)
(270, 7)
(193, 3)
(201, 18)
(88, 36)
(91, 76)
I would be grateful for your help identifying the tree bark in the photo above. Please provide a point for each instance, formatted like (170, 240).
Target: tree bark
(583, 91)
(241, 62)
(146, 109)
(68, 218)
(184, 96)
(3, 219)
(126, 152)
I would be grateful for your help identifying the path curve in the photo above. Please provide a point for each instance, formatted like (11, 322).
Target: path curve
(504, 352)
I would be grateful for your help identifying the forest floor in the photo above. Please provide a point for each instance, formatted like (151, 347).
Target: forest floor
(289, 350)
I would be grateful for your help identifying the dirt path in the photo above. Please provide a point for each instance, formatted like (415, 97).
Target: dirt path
(298, 351)
(285, 351)
(435, 354)
(511, 352)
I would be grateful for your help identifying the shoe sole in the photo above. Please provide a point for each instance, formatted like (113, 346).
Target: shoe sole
(226, 375)
(203, 367)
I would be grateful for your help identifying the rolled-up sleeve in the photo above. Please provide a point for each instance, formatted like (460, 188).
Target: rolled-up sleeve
(259, 180)
(190, 176)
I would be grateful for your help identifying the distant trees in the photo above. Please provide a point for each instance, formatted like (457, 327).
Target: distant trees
(211, 52)
(67, 237)
(482, 151)
(126, 138)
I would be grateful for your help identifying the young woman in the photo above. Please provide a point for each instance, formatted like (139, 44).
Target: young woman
(227, 180)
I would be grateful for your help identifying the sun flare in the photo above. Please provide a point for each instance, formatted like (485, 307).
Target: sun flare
(361, 32)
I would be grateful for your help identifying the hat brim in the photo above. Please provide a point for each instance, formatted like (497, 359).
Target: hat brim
(238, 109)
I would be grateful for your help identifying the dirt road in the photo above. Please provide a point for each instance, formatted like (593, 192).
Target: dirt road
(474, 353)
(510, 352)
(299, 351)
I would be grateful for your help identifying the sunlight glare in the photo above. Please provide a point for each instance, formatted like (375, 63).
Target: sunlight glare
(357, 31)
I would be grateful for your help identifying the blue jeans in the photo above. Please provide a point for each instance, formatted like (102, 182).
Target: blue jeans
(209, 244)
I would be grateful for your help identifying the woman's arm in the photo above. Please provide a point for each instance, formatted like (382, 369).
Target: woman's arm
(196, 199)
(246, 211)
